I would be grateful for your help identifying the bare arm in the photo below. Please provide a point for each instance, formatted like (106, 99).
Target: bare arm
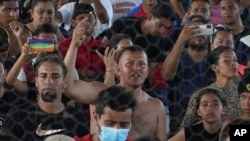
(101, 12)
(20, 32)
(161, 122)
(80, 90)
(190, 115)
(108, 59)
(171, 62)
(11, 78)
(180, 136)
(178, 8)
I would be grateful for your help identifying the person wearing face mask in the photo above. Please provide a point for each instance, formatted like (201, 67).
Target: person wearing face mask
(113, 115)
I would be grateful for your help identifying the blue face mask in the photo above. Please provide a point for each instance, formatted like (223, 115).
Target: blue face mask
(113, 134)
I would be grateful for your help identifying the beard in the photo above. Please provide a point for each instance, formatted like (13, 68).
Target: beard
(48, 96)
(199, 46)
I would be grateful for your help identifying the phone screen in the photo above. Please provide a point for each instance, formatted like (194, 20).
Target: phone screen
(41, 45)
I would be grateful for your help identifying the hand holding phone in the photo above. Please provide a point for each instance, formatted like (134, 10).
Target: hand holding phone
(205, 30)
(41, 45)
(99, 48)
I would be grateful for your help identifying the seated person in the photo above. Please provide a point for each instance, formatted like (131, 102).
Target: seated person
(113, 115)
(210, 107)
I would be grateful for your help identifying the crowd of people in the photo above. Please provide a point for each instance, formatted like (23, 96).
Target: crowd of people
(123, 70)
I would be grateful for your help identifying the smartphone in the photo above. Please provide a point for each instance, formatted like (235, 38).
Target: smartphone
(205, 30)
(99, 48)
(41, 45)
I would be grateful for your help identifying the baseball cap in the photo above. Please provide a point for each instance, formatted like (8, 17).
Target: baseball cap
(244, 85)
(83, 8)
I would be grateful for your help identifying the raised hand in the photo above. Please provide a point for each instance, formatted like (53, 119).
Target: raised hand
(17, 28)
(79, 36)
(108, 58)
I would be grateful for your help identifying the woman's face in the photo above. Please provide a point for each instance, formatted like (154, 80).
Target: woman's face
(43, 12)
(227, 65)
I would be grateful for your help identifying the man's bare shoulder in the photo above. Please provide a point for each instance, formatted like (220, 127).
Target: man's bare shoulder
(154, 101)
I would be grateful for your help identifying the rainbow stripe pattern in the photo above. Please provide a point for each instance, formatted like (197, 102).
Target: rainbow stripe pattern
(41, 45)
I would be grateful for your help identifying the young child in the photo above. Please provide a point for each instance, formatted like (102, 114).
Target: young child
(211, 106)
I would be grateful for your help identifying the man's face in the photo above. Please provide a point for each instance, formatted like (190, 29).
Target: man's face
(43, 12)
(50, 80)
(116, 119)
(9, 12)
(230, 12)
(198, 42)
(89, 25)
(159, 25)
(132, 69)
(200, 8)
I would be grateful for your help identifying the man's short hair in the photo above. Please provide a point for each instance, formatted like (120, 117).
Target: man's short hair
(206, 1)
(116, 98)
(1, 1)
(49, 57)
(236, 1)
(163, 10)
(115, 39)
(133, 48)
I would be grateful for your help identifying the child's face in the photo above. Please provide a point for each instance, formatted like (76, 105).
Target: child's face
(210, 108)
(245, 103)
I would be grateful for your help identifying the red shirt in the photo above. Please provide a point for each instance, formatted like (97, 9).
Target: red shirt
(84, 59)
(88, 138)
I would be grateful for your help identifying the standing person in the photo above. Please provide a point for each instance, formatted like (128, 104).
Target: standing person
(223, 63)
(43, 11)
(89, 66)
(132, 69)
(115, 107)
(103, 10)
(48, 115)
(9, 13)
(211, 106)
(230, 11)
(185, 69)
